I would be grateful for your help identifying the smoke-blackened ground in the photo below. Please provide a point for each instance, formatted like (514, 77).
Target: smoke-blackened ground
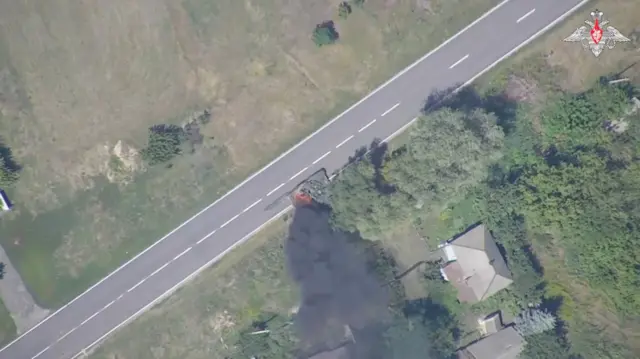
(337, 287)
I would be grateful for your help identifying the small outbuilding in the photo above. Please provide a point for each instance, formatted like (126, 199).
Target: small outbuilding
(505, 344)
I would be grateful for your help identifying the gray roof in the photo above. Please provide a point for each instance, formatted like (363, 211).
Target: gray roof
(505, 344)
(481, 270)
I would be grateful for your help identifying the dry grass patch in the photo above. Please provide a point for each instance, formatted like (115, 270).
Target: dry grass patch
(81, 83)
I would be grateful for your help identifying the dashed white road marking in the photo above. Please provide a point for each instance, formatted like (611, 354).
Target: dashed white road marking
(181, 254)
(91, 317)
(207, 236)
(159, 269)
(391, 109)
(459, 61)
(275, 189)
(321, 158)
(229, 221)
(108, 305)
(525, 16)
(367, 125)
(252, 205)
(132, 288)
(121, 295)
(66, 335)
(345, 141)
(298, 173)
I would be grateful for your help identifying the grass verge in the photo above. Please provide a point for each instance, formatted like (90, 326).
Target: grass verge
(78, 216)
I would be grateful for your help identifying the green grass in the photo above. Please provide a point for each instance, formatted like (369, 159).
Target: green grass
(7, 326)
(202, 319)
(258, 58)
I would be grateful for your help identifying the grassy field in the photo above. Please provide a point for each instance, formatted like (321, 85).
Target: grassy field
(547, 66)
(81, 83)
(200, 320)
(7, 326)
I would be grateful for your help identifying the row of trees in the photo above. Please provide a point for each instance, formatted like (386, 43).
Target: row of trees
(447, 153)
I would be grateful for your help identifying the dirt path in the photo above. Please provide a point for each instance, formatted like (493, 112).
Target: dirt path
(24, 311)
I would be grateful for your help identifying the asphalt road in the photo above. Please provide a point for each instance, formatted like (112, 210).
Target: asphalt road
(157, 271)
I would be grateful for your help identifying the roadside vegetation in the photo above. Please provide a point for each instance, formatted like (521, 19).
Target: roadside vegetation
(7, 326)
(544, 152)
(96, 186)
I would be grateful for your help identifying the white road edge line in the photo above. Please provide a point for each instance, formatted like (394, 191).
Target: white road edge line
(525, 16)
(526, 42)
(391, 109)
(181, 254)
(188, 278)
(229, 221)
(252, 205)
(298, 173)
(345, 141)
(379, 88)
(43, 350)
(275, 189)
(288, 208)
(367, 125)
(459, 61)
(321, 158)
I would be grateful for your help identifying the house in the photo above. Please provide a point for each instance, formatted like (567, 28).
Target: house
(505, 344)
(474, 265)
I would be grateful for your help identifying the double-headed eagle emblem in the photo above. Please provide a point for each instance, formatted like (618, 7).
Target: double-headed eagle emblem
(594, 37)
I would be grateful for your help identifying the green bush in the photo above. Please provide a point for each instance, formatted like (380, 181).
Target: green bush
(164, 144)
(325, 34)
(344, 9)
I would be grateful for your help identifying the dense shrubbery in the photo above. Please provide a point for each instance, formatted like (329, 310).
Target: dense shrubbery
(164, 143)
(574, 181)
(447, 154)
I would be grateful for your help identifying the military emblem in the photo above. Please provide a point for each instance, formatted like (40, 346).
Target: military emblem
(596, 37)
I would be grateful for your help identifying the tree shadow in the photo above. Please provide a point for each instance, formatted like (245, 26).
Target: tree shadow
(429, 311)
(468, 99)
(9, 160)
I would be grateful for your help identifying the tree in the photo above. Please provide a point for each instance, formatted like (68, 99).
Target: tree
(325, 34)
(344, 9)
(358, 205)
(448, 152)
(534, 321)
(427, 330)
(164, 144)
